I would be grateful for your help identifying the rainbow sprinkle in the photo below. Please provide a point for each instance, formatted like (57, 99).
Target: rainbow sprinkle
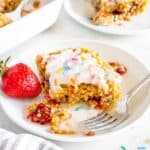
(79, 108)
(123, 148)
(74, 59)
(83, 58)
(59, 70)
(66, 67)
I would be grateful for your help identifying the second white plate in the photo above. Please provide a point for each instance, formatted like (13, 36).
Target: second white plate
(139, 24)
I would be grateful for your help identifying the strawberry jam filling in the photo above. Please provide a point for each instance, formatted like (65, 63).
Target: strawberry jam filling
(119, 68)
(40, 113)
(99, 104)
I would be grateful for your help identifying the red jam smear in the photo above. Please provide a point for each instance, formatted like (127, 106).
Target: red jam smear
(51, 102)
(90, 133)
(99, 104)
(40, 114)
(119, 68)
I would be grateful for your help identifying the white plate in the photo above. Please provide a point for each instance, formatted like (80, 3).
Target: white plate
(136, 71)
(17, 32)
(139, 24)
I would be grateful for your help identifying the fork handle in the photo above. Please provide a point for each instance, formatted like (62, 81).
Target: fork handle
(137, 87)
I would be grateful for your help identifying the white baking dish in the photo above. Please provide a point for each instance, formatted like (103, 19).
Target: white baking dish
(15, 33)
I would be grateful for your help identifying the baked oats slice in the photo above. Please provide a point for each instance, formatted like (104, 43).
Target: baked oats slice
(110, 11)
(78, 74)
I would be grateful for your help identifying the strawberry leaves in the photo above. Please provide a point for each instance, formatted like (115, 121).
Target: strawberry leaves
(3, 66)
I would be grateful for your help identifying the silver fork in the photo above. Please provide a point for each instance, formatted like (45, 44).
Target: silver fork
(107, 121)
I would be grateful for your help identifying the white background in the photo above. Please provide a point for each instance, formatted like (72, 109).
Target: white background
(66, 28)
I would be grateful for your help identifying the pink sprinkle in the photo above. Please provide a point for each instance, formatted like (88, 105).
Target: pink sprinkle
(74, 59)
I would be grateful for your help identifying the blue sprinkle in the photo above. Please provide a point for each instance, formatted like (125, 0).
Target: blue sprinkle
(79, 108)
(141, 148)
(67, 65)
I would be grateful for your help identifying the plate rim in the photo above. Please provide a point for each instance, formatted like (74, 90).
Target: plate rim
(83, 138)
(75, 17)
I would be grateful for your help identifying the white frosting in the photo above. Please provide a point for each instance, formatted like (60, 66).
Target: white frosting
(73, 67)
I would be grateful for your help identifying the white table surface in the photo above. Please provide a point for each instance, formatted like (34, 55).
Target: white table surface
(65, 29)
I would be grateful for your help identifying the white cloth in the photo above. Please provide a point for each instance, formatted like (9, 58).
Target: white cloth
(11, 141)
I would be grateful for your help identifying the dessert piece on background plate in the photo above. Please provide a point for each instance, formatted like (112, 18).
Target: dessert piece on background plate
(79, 75)
(110, 12)
(8, 5)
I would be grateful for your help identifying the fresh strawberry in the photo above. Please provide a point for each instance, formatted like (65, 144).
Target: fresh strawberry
(19, 81)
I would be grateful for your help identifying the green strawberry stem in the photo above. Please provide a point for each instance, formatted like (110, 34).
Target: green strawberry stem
(3, 66)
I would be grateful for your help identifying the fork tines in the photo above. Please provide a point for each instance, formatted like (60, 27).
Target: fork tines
(99, 122)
